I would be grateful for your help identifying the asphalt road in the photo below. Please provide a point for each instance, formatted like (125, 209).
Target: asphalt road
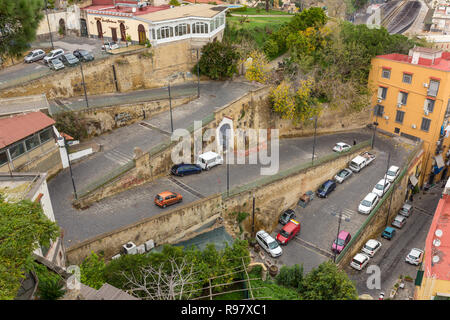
(319, 225)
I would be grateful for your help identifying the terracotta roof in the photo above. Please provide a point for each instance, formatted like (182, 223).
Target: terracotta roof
(17, 127)
(442, 63)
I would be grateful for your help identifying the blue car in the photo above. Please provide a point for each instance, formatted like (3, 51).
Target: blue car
(185, 169)
(326, 188)
(388, 233)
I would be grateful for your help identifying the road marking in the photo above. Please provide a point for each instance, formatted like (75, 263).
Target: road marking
(150, 126)
(118, 157)
(186, 187)
(314, 248)
(421, 210)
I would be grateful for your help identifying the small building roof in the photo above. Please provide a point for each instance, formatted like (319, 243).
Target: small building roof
(17, 127)
(194, 10)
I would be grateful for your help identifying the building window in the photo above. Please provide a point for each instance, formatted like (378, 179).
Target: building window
(181, 29)
(447, 112)
(400, 116)
(46, 135)
(382, 93)
(17, 150)
(402, 98)
(32, 142)
(379, 110)
(165, 32)
(407, 78)
(397, 130)
(199, 27)
(3, 158)
(433, 88)
(429, 105)
(425, 124)
(386, 73)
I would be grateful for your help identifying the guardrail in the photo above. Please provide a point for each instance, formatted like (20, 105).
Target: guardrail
(304, 166)
(380, 203)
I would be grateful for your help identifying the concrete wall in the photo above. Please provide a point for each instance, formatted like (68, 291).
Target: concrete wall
(70, 16)
(142, 69)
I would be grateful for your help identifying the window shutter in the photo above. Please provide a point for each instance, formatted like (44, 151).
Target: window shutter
(380, 93)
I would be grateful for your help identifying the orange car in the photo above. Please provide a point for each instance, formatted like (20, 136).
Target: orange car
(167, 198)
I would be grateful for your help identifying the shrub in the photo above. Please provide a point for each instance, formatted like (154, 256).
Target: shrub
(71, 124)
(174, 3)
(218, 61)
(291, 277)
(92, 269)
(51, 289)
(257, 67)
(271, 48)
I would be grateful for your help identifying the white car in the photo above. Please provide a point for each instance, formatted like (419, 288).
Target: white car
(415, 256)
(208, 160)
(381, 187)
(399, 221)
(406, 210)
(268, 243)
(110, 45)
(359, 261)
(53, 55)
(56, 64)
(343, 175)
(371, 247)
(368, 203)
(392, 173)
(34, 55)
(341, 147)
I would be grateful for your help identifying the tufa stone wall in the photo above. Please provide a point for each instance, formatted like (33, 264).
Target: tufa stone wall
(142, 69)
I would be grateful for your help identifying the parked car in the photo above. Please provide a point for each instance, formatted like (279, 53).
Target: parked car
(167, 198)
(341, 242)
(359, 261)
(326, 188)
(83, 55)
(392, 173)
(341, 147)
(368, 203)
(269, 244)
(34, 55)
(69, 59)
(371, 247)
(406, 210)
(56, 64)
(289, 231)
(388, 233)
(110, 45)
(415, 256)
(53, 55)
(343, 175)
(185, 169)
(399, 221)
(361, 161)
(208, 160)
(381, 187)
(286, 216)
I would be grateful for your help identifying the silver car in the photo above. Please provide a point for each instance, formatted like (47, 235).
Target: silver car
(343, 175)
(406, 210)
(34, 55)
(56, 64)
(399, 221)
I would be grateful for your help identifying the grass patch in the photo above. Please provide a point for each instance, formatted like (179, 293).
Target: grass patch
(257, 11)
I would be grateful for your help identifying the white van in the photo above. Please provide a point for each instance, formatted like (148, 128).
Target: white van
(208, 160)
(268, 243)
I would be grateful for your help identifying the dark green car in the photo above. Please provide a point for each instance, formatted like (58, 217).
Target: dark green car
(83, 55)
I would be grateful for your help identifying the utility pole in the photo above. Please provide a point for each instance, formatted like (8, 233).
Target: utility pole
(314, 144)
(70, 168)
(84, 85)
(375, 124)
(198, 77)
(48, 22)
(253, 217)
(170, 108)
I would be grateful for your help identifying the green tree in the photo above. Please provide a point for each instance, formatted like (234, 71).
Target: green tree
(19, 20)
(92, 271)
(23, 227)
(327, 282)
(51, 289)
(291, 277)
(174, 3)
(218, 61)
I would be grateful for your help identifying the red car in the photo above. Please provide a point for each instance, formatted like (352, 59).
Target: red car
(289, 231)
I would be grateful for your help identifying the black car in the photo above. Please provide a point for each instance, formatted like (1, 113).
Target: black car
(326, 188)
(83, 55)
(185, 169)
(69, 59)
(286, 216)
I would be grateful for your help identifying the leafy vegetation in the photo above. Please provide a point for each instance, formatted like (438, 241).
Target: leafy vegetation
(257, 68)
(23, 227)
(71, 124)
(218, 61)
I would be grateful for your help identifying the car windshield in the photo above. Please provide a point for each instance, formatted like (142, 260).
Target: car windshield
(340, 242)
(412, 257)
(366, 203)
(158, 197)
(368, 247)
(379, 187)
(273, 245)
(342, 174)
(30, 54)
(356, 261)
(284, 233)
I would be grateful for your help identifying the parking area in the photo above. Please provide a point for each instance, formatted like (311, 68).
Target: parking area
(23, 72)
(319, 219)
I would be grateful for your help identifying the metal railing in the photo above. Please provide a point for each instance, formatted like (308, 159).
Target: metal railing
(296, 169)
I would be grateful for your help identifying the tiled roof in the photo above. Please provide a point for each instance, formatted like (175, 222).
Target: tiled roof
(442, 63)
(17, 127)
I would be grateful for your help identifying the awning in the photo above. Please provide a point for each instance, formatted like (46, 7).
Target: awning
(419, 277)
(413, 180)
(439, 161)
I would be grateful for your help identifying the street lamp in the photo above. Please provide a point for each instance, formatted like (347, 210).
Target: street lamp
(375, 124)
(339, 229)
(84, 84)
(198, 76)
(70, 168)
(170, 109)
(48, 22)
(314, 144)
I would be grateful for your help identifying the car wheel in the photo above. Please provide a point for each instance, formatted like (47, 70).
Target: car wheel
(164, 205)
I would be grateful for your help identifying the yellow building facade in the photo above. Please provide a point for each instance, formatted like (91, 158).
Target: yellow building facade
(411, 98)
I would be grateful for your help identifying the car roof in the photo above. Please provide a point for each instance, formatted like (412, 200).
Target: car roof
(399, 217)
(291, 225)
(343, 234)
(372, 242)
(265, 235)
(288, 211)
(208, 155)
(407, 206)
(165, 193)
(382, 181)
(360, 257)
(341, 144)
(389, 229)
(393, 168)
(415, 252)
(370, 196)
(328, 182)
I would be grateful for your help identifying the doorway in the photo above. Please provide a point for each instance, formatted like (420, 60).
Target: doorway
(99, 29)
(114, 34)
(83, 28)
(142, 36)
